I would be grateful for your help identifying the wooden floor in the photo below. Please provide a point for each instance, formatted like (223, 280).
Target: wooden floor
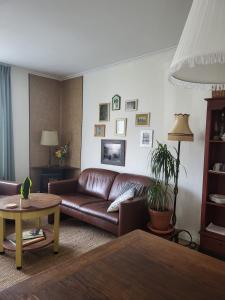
(136, 266)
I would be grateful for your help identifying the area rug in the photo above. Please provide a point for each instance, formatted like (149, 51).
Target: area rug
(76, 238)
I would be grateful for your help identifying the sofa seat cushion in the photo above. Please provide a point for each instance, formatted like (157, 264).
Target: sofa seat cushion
(77, 200)
(99, 209)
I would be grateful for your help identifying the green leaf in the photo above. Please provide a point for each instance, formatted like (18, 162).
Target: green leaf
(25, 188)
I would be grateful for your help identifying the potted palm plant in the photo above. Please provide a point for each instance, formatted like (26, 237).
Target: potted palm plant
(159, 196)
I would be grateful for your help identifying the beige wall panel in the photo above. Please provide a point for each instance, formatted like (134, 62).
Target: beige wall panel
(71, 118)
(44, 114)
(54, 105)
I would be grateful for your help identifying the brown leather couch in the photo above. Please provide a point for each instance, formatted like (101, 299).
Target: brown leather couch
(88, 197)
(8, 188)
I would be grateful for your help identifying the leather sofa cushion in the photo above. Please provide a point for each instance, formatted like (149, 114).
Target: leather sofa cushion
(96, 182)
(99, 209)
(77, 200)
(122, 179)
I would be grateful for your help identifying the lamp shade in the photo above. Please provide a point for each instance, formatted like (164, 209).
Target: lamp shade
(181, 130)
(49, 138)
(199, 60)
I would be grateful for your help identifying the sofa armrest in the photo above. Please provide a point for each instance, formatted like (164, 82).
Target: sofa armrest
(66, 186)
(133, 214)
(9, 188)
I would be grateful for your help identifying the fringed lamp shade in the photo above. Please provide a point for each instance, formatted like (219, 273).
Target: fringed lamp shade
(199, 60)
(181, 130)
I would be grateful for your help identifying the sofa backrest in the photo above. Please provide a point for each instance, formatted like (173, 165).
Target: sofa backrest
(9, 188)
(96, 182)
(122, 179)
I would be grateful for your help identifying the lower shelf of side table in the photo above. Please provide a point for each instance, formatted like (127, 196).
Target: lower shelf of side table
(32, 247)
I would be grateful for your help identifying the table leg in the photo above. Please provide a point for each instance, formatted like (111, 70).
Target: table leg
(18, 224)
(56, 229)
(2, 234)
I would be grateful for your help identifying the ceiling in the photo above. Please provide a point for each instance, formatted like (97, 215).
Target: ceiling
(68, 37)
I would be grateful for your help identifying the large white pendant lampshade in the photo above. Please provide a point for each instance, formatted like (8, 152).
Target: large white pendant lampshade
(199, 60)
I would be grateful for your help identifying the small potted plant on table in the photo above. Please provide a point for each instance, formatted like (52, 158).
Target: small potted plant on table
(25, 193)
(159, 196)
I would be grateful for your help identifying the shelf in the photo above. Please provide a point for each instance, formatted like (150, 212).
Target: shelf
(56, 167)
(216, 142)
(48, 240)
(216, 173)
(215, 204)
(213, 235)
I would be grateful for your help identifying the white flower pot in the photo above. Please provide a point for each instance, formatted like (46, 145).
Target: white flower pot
(25, 203)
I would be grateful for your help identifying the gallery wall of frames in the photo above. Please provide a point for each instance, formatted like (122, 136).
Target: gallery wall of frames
(113, 150)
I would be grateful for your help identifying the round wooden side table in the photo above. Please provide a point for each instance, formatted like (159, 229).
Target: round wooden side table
(41, 205)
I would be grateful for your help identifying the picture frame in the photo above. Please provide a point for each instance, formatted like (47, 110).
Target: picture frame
(146, 138)
(113, 152)
(104, 109)
(116, 102)
(121, 126)
(131, 105)
(99, 130)
(142, 119)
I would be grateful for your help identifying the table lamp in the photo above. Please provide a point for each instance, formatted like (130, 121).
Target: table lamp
(49, 138)
(180, 132)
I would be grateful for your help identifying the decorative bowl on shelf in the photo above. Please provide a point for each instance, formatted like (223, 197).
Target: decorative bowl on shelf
(217, 198)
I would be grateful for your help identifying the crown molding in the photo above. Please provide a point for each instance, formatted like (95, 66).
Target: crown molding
(59, 78)
(75, 75)
(124, 61)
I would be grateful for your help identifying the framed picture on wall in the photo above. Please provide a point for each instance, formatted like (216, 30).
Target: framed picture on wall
(116, 102)
(104, 109)
(113, 152)
(99, 130)
(131, 105)
(121, 127)
(142, 119)
(146, 138)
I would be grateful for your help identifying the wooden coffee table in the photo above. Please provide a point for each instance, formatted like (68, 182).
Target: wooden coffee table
(41, 205)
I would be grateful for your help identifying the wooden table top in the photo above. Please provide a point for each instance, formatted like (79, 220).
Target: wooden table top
(136, 266)
(39, 201)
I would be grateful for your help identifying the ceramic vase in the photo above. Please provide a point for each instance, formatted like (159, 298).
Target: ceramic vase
(25, 203)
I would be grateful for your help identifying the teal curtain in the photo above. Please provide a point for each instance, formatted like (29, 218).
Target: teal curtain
(7, 168)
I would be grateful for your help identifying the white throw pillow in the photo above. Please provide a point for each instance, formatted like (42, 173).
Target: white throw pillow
(116, 203)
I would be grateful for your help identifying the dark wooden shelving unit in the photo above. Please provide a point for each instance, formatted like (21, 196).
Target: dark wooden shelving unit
(213, 181)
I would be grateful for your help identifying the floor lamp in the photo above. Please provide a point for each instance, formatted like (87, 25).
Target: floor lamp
(180, 132)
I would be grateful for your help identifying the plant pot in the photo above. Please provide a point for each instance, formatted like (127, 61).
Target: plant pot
(160, 220)
(25, 203)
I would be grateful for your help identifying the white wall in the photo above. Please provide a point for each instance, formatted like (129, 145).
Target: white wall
(146, 80)
(20, 108)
